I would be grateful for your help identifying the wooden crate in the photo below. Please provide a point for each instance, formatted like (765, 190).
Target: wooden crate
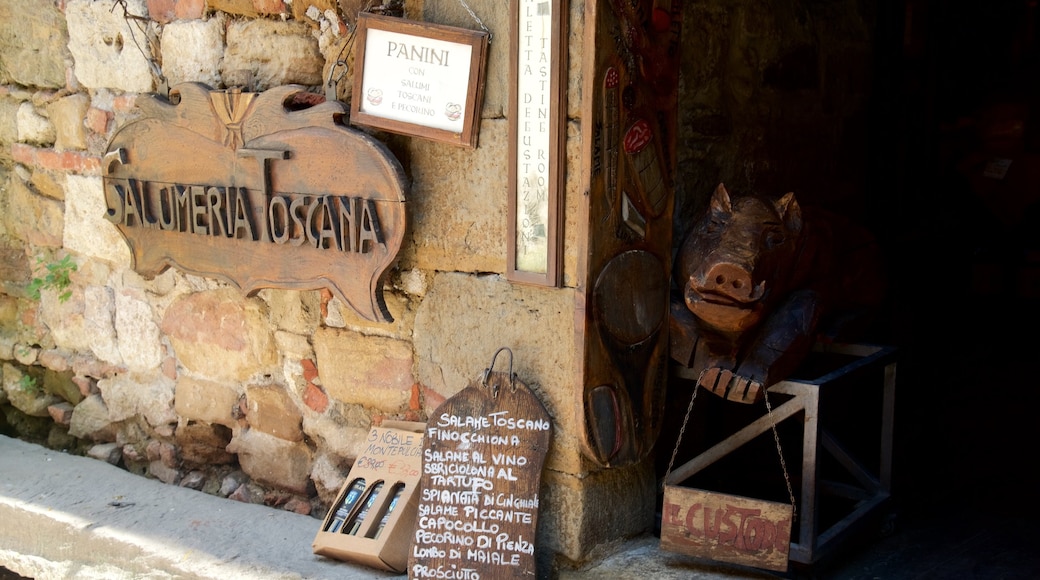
(870, 492)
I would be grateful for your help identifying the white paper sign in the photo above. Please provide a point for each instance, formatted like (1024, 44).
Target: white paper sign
(412, 79)
(533, 145)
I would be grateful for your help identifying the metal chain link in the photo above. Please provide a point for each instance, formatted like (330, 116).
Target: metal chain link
(477, 18)
(780, 451)
(682, 431)
(776, 439)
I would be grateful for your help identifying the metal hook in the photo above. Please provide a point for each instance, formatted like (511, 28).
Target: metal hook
(487, 372)
(333, 82)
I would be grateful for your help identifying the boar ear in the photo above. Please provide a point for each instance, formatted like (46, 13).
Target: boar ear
(720, 202)
(789, 210)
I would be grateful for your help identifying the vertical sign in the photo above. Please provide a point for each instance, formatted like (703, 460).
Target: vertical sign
(537, 125)
(482, 467)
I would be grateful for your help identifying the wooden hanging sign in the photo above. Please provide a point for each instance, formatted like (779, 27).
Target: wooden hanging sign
(419, 78)
(482, 463)
(726, 528)
(262, 190)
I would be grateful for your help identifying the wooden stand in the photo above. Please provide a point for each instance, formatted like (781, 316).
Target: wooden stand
(872, 488)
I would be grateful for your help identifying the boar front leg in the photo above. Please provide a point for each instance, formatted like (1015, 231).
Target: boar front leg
(780, 346)
(777, 350)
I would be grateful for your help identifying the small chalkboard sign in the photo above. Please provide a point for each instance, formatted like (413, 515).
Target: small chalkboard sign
(482, 463)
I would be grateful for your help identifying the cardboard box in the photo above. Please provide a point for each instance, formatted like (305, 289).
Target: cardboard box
(372, 520)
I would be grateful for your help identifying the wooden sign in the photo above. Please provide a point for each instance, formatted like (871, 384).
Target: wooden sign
(482, 465)
(627, 175)
(726, 528)
(418, 78)
(537, 131)
(261, 190)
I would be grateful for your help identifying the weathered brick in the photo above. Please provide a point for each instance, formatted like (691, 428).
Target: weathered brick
(46, 158)
(367, 370)
(206, 401)
(67, 115)
(164, 11)
(221, 335)
(239, 7)
(310, 371)
(97, 120)
(315, 398)
(24, 154)
(270, 7)
(124, 103)
(273, 461)
(61, 413)
(55, 360)
(415, 402)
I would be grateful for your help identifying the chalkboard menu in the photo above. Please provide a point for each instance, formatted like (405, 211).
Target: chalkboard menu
(482, 464)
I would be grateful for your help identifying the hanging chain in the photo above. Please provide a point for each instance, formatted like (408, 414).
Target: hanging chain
(776, 438)
(477, 19)
(780, 451)
(682, 431)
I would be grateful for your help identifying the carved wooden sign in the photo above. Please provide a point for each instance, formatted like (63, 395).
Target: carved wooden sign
(260, 190)
(629, 104)
(482, 466)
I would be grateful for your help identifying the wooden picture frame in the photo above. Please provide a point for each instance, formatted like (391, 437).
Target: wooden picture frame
(418, 78)
(537, 140)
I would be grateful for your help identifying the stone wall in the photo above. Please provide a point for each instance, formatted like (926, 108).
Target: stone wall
(263, 398)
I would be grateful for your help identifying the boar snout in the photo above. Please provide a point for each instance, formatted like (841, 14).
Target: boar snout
(731, 281)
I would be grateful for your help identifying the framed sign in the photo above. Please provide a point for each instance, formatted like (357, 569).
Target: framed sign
(537, 128)
(418, 78)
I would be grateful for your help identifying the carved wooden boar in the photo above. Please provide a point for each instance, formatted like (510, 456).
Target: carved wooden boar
(759, 281)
